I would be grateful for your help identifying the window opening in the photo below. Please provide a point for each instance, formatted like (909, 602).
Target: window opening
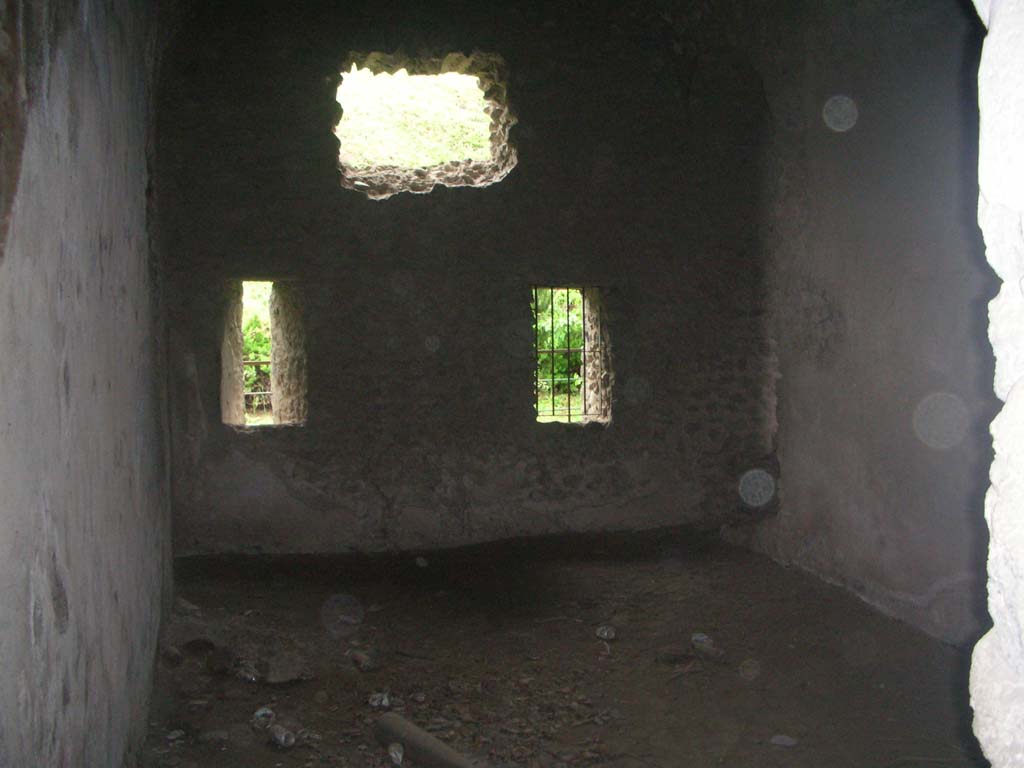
(263, 354)
(411, 121)
(410, 124)
(256, 353)
(571, 377)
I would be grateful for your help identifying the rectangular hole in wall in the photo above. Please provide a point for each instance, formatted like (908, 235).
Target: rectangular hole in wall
(263, 354)
(409, 124)
(256, 353)
(571, 376)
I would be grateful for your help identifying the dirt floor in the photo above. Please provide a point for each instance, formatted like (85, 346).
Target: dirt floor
(494, 650)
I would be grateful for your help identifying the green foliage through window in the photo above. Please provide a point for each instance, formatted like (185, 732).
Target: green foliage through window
(411, 121)
(558, 315)
(256, 351)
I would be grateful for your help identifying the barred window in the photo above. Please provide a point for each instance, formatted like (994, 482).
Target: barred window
(572, 376)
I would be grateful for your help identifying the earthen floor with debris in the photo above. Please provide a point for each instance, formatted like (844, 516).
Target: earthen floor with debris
(549, 653)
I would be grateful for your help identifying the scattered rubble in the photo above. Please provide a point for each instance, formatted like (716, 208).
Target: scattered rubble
(396, 753)
(281, 737)
(705, 647)
(263, 718)
(365, 660)
(342, 614)
(246, 669)
(493, 688)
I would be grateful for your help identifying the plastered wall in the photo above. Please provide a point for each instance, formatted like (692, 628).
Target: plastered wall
(997, 672)
(12, 108)
(879, 288)
(84, 518)
(638, 173)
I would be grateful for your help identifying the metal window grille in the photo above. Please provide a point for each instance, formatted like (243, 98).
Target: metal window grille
(258, 401)
(567, 338)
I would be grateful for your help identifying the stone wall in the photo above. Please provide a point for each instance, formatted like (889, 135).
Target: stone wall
(232, 353)
(84, 518)
(288, 351)
(636, 174)
(997, 672)
(879, 287)
(12, 108)
(676, 154)
(598, 376)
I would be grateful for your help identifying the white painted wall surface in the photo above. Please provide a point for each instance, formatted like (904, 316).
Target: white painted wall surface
(997, 673)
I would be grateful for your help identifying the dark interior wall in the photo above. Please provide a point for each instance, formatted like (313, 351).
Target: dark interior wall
(673, 153)
(880, 286)
(12, 109)
(639, 172)
(84, 496)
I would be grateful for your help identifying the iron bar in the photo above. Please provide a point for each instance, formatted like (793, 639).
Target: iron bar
(551, 294)
(568, 355)
(583, 341)
(537, 364)
(589, 345)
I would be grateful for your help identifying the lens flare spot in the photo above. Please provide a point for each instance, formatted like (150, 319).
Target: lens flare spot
(756, 487)
(941, 420)
(840, 113)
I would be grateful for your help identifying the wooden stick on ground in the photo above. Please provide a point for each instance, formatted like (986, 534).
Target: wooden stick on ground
(421, 747)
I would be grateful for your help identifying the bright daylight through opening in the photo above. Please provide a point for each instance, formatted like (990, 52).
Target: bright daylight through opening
(411, 121)
(256, 344)
(571, 380)
(408, 125)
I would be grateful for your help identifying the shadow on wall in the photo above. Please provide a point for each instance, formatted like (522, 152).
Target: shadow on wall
(978, 308)
(886, 393)
(12, 110)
